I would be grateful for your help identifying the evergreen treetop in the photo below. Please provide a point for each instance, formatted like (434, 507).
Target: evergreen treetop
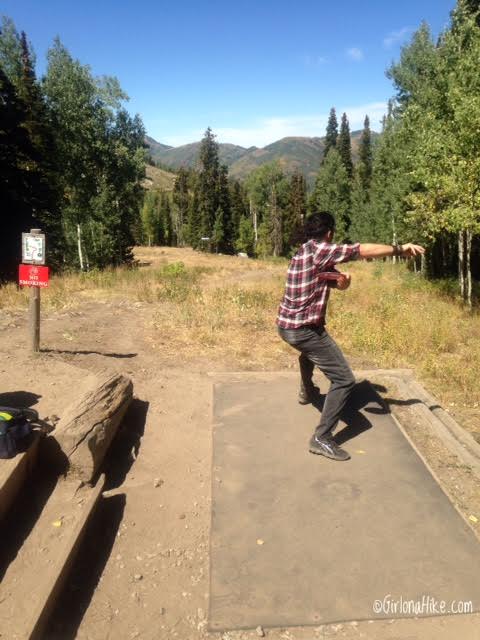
(344, 145)
(332, 192)
(365, 153)
(331, 132)
(207, 185)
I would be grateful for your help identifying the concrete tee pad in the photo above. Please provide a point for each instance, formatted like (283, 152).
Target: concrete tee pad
(298, 539)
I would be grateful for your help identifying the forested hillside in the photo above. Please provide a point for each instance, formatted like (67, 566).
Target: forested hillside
(73, 162)
(292, 153)
(187, 155)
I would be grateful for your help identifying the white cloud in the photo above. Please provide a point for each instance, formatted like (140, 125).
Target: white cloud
(355, 54)
(265, 131)
(396, 36)
(310, 60)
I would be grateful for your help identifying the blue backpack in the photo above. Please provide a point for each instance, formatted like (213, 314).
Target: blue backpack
(14, 430)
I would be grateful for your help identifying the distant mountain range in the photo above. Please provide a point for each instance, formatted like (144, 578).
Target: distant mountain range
(293, 153)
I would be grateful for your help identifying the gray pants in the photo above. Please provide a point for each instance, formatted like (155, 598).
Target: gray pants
(318, 348)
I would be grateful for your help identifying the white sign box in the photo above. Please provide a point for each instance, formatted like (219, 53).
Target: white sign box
(33, 248)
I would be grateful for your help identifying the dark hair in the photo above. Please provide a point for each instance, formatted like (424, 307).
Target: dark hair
(317, 225)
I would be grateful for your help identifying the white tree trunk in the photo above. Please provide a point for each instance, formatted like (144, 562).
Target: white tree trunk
(468, 268)
(253, 213)
(79, 243)
(394, 236)
(461, 263)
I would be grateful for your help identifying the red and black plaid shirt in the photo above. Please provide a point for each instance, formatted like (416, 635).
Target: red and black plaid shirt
(306, 293)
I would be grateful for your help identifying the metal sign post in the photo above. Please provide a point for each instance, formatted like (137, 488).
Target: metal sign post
(35, 318)
(33, 253)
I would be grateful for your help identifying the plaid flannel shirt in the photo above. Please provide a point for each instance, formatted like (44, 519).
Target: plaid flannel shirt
(306, 294)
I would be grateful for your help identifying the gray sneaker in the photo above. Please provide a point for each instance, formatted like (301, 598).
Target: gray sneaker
(326, 446)
(306, 396)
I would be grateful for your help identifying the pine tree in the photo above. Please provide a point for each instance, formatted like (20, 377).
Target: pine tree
(344, 146)
(362, 228)
(43, 167)
(331, 133)
(165, 217)
(365, 155)
(295, 211)
(207, 185)
(17, 60)
(180, 206)
(11, 51)
(473, 8)
(332, 192)
(238, 205)
(16, 188)
(150, 219)
(245, 242)
(193, 233)
(218, 234)
(226, 244)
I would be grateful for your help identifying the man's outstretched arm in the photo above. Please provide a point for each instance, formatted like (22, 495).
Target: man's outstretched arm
(408, 250)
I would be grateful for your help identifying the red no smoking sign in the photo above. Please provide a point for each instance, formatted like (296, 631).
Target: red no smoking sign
(30, 275)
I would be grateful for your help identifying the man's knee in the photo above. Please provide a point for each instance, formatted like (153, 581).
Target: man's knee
(351, 382)
(347, 380)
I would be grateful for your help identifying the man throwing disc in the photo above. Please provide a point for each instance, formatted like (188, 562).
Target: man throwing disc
(301, 318)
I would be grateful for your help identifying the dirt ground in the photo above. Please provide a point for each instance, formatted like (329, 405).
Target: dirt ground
(142, 571)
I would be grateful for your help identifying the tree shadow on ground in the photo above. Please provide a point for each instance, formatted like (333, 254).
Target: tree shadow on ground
(27, 509)
(88, 353)
(380, 388)
(87, 569)
(102, 528)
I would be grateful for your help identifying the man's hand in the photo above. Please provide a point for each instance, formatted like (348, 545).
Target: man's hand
(410, 250)
(343, 281)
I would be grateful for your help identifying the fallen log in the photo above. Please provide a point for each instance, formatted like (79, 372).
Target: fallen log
(88, 426)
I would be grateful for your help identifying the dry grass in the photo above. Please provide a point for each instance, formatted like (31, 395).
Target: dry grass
(396, 319)
(226, 316)
(223, 308)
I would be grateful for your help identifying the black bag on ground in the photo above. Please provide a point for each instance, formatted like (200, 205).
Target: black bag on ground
(15, 430)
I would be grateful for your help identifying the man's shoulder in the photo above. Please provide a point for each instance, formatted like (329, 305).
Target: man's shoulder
(303, 250)
(321, 246)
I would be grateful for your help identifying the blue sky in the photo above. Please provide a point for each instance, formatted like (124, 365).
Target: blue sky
(254, 71)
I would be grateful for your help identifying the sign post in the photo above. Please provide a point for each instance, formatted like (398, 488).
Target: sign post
(32, 275)
(35, 318)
